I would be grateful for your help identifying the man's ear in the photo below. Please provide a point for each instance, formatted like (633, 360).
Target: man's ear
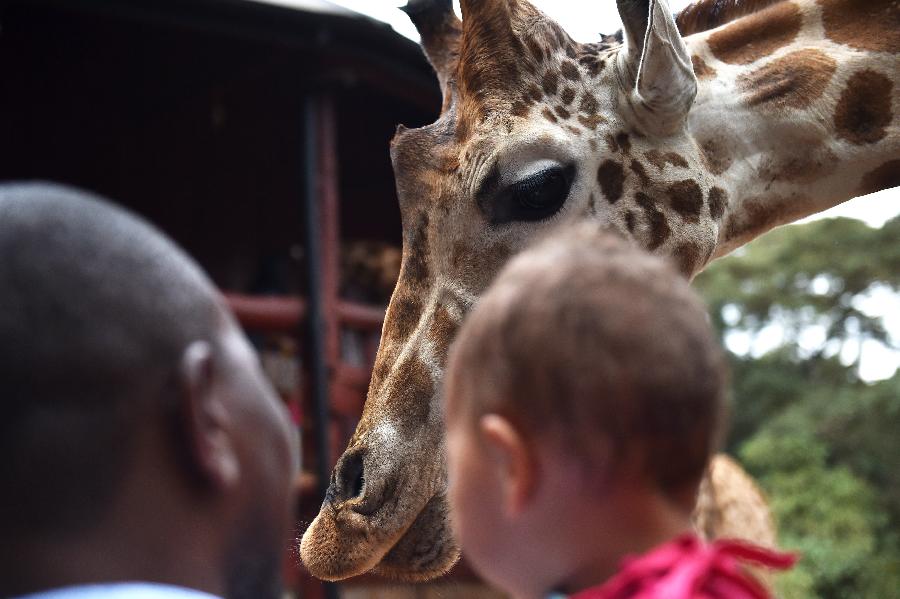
(515, 461)
(206, 419)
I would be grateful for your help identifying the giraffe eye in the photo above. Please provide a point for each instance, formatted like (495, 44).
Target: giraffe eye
(533, 198)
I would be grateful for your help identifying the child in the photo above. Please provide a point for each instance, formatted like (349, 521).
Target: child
(585, 396)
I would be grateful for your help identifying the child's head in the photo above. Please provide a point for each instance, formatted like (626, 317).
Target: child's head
(588, 372)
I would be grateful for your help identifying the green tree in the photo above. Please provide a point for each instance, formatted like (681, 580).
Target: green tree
(823, 443)
(806, 275)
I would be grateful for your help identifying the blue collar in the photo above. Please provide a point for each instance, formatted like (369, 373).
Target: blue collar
(123, 590)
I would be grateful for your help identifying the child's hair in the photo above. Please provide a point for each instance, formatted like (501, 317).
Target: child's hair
(597, 344)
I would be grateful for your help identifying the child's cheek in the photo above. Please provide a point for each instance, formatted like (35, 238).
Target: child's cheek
(451, 454)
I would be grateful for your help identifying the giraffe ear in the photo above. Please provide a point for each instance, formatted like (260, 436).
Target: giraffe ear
(656, 66)
(440, 30)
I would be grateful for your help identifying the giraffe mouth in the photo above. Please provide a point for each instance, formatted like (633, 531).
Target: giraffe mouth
(342, 543)
(381, 517)
(426, 550)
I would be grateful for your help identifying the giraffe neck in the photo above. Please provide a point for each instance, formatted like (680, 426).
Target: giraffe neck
(797, 109)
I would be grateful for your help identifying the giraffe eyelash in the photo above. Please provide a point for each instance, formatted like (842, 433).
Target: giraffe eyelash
(535, 197)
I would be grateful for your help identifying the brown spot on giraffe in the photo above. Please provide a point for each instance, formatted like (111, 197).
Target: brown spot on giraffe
(630, 222)
(661, 159)
(567, 96)
(870, 25)
(757, 35)
(535, 49)
(656, 221)
(718, 202)
(415, 262)
(526, 99)
(686, 198)
(623, 142)
(638, 169)
(459, 254)
(701, 69)
(449, 162)
(498, 253)
(593, 64)
(704, 15)
(864, 109)
(404, 314)
(589, 105)
(569, 70)
(385, 360)
(590, 123)
(759, 214)
(441, 332)
(795, 80)
(413, 387)
(562, 112)
(817, 160)
(611, 177)
(687, 257)
(535, 92)
(612, 143)
(520, 109)
(885, 176)
(716, 157)
(550, 83)
(548, 114)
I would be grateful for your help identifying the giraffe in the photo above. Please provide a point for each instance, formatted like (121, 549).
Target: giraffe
(690, 135)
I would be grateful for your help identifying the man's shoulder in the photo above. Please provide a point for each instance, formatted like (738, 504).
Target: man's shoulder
(121, 591)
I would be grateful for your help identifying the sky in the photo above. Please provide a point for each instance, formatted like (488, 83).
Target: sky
(584, 21)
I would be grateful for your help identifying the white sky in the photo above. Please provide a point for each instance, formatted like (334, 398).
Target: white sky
(584, 21)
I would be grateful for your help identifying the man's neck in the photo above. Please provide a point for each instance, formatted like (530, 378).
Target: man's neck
(150, 532)
(29, 565)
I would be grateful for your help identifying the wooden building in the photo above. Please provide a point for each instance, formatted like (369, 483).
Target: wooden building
(257, 137)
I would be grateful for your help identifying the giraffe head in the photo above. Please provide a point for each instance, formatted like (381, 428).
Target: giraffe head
(535, 131)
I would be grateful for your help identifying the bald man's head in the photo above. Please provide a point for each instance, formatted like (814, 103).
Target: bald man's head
(139, 438)
(96, 308)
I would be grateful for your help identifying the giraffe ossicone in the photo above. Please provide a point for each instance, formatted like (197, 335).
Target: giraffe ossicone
(689, 145)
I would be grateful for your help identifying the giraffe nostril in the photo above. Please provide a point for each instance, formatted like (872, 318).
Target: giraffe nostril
(358, 483)
(351, 475)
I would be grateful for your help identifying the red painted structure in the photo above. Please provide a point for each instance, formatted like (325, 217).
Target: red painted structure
(190, 112)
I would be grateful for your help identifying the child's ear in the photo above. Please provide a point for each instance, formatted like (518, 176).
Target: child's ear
(515, 460)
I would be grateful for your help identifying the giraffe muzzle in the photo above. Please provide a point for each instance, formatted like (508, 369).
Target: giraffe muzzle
(379, 514)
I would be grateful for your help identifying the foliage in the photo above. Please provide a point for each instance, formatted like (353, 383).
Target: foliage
(822, 443)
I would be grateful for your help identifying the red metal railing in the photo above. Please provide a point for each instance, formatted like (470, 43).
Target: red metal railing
(285, 314)
(282, 314)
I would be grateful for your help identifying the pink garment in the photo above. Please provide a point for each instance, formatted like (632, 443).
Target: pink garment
(688, 568)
